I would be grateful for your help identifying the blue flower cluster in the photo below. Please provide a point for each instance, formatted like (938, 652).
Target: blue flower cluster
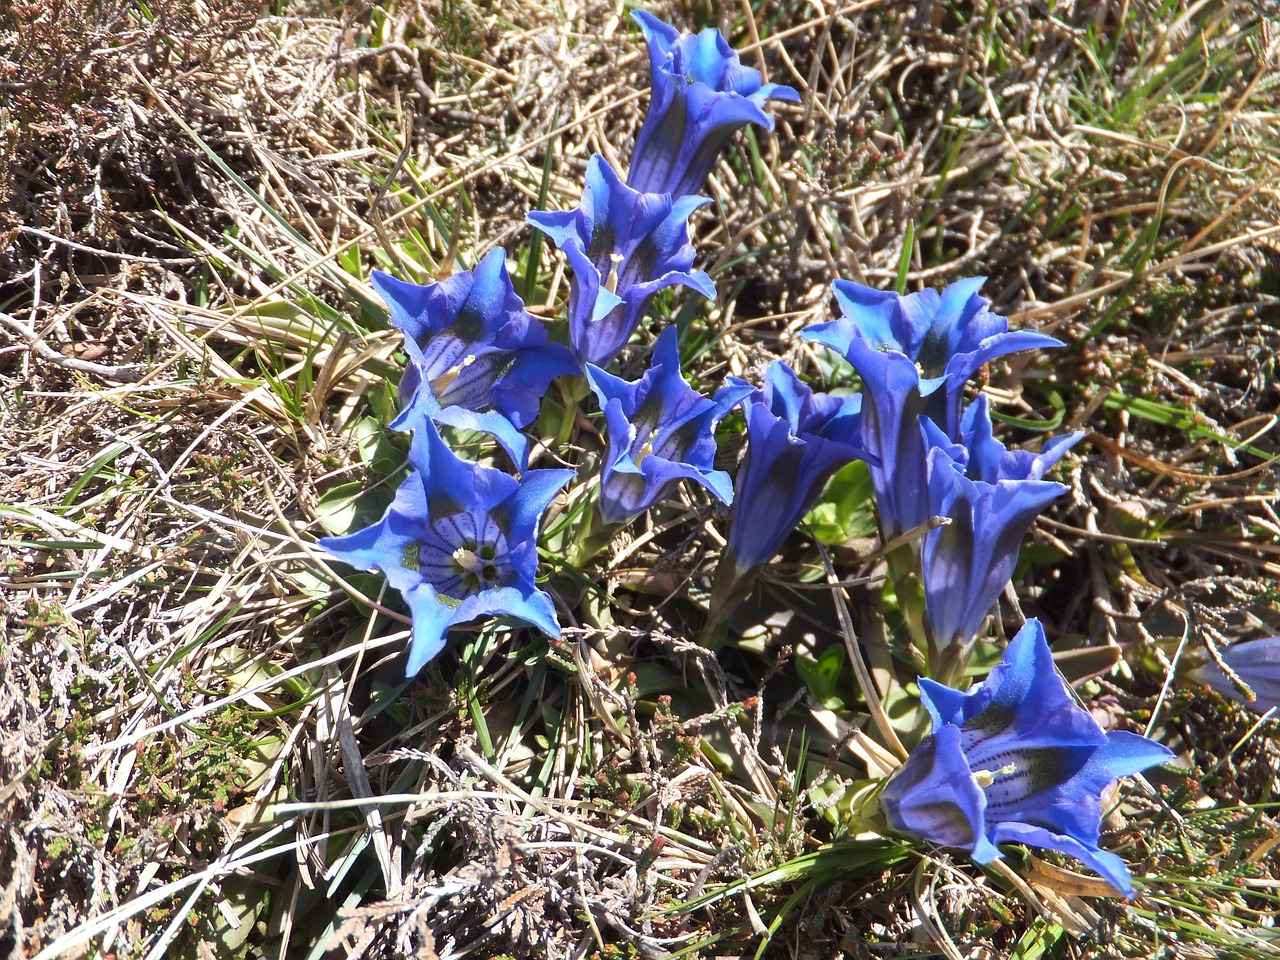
(460, 540)
(930, 456)
(1012, 759)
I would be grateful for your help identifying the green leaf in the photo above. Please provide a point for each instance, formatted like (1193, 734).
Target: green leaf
(1171, 416)
(1039, 426)
(376, 450)
(1039, 940)
(821, 675)
(846, 509)
(904, 261)
(350, 506)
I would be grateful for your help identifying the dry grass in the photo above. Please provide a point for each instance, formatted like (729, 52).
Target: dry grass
(209, 749)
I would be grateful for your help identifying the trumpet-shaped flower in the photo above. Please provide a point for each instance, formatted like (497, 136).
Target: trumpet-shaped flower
(991, 495)
(459, 542)
(796, 439)
(659, 433)
(914, 354)
(1257, 663)
(1015, 760)
(624, 246)
(702, 94)
(477, 359)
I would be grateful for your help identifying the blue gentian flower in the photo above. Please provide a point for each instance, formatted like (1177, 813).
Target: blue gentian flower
(477, 359)
(659, 432)
(992, 496)
(1257, 663)
(1015, 760)
(914, 354)
(459, 542)
(624, 246)
(796, 439)
(702, 94)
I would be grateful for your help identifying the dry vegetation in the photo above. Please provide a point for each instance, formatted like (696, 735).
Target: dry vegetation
(207, 745)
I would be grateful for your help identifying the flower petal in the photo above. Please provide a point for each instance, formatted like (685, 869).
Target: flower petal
(933, 795)
(1107, 865)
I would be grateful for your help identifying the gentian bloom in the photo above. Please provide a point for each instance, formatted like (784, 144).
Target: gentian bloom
(914, 354)
(624, 246)
(459, 542)
(477, 359)
(1015, 760)
(702, 94)
(660, 432)
(796, 439)
(1257, 663)
(992, 496)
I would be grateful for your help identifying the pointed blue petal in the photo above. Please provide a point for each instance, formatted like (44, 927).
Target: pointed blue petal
(608, 387)
(1031, 700)
(776, 91)
(421, 311)
(432, 617)
(962, 366)
(945, 705)
(560, 226)
(1107, 865)
(533, 606)
(536, 490)
(495, 425)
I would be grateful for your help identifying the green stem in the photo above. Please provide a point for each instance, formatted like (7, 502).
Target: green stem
(946, 661)
(590, 539)
(903, 566)
(729, 589)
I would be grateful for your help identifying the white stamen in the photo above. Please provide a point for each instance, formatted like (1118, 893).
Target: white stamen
(467, 559)
(985, 778)
(611, 281)
(446, 380)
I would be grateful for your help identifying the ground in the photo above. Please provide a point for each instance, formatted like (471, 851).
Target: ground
(208, 745)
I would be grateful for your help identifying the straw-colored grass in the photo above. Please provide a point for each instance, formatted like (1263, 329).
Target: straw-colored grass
(208, 747)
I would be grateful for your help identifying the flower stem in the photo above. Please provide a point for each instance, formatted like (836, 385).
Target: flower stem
(903, 571)
(730, 587)
(594, 534)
